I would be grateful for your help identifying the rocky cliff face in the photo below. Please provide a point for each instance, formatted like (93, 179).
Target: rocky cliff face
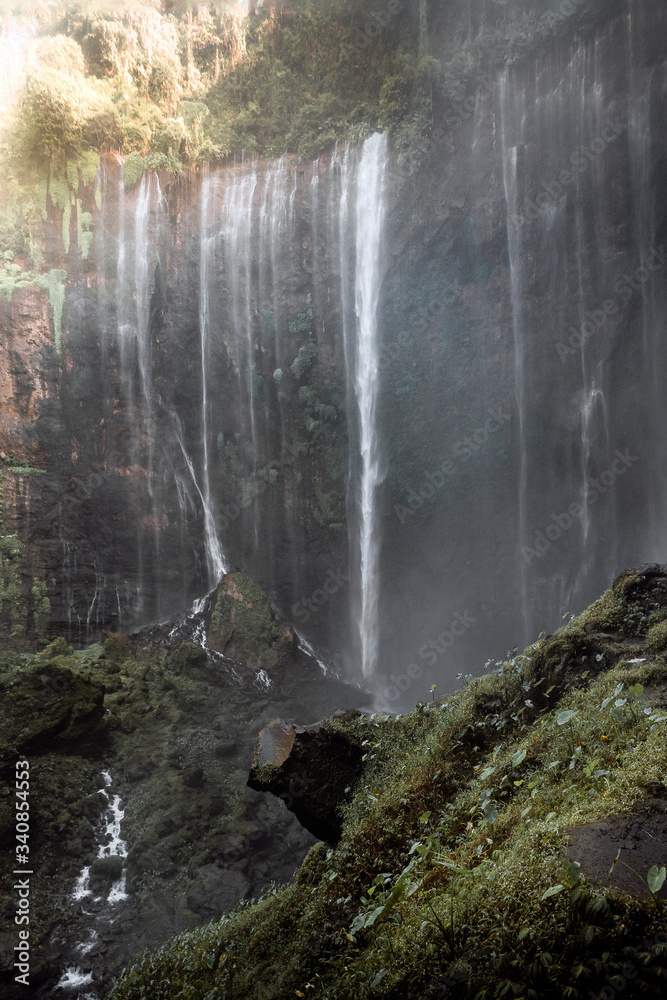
(203, 411)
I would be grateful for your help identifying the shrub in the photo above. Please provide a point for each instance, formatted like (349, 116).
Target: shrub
(59, 52)
(58, 115)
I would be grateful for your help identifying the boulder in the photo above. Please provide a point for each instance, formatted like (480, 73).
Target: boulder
(215, 891)
(241, 625)
(313, 769)
(639, 836)
(48, 702)
(104, 872)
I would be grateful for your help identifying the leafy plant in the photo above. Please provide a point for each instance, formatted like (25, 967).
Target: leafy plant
(654, 880)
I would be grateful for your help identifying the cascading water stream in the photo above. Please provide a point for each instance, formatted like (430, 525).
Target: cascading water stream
(138, 253)
(214, 555)
(111, 845)
(370, 211)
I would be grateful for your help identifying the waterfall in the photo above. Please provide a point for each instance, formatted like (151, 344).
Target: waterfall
(510, 185)
(139, 245)
(370, 211)
(214, 556)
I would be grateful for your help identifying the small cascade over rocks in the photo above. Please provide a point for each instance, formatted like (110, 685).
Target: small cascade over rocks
(99, 888)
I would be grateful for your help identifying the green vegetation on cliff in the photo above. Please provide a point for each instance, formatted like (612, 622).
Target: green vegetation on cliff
(211, 83)
(455, 873)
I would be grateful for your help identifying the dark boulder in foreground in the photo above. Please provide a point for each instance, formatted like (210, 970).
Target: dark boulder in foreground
(313, 769)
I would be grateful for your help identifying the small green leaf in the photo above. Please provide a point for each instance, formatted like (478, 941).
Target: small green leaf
(491, 812)
(564, 717)
(636, 690)
(553, 891)
(656, 878)
(487, 772)
(424, 818)
(518, 758)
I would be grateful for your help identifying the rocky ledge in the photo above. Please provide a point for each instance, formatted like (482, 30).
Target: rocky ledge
(313, 769)
(506, 840)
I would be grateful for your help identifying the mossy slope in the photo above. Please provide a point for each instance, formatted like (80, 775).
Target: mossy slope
(456, 831)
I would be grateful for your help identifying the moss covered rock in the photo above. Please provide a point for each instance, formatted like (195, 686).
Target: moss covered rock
(242, 626)
(48, 702)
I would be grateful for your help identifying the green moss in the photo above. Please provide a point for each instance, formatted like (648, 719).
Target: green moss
(242, 625)
(657, 638)
(67, 219)
(27, 470)
(13, 602)
(54, 283)
(305, 359)
(72, 172)
(59, 192)
(88, 163)
(12, 276)
(133, 169)
(42, 607)
(84, 221)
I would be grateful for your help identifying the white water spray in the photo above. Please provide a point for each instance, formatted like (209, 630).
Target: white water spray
(111, 845)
